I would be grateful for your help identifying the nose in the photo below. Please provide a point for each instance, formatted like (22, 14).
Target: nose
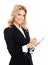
(22, 17)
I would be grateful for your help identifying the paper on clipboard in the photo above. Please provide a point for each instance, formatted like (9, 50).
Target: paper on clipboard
(40, 41)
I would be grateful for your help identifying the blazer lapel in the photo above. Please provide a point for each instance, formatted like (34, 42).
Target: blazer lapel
(18, 32)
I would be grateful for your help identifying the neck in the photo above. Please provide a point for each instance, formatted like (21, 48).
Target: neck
(16, 24)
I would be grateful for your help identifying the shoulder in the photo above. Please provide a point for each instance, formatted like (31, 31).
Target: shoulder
(7, 30)
(8, 34)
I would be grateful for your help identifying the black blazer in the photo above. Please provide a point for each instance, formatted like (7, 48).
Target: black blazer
(15, 40)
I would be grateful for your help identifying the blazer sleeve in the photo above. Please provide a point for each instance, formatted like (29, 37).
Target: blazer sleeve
(8, 36)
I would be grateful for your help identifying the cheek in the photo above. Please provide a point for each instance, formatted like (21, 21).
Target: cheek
(16, 18)
(23, 18)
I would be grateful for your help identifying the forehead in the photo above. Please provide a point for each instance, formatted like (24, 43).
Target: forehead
(21, 12)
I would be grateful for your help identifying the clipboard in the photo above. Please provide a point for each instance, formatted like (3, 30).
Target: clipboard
(40, 41)
(33, 48)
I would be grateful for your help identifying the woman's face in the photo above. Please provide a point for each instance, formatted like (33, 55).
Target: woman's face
(20, 17)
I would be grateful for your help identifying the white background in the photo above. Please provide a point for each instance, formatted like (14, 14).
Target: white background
(37, 20)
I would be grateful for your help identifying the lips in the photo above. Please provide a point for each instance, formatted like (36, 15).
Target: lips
(20, 20)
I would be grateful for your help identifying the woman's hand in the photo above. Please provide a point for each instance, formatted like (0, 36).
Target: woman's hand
(32, 43)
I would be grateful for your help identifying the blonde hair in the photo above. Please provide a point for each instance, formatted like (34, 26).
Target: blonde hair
(15, 10)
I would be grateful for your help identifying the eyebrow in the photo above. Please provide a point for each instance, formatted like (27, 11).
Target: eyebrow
(21, 14)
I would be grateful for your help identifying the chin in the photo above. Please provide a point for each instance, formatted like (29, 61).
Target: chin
(20, 23)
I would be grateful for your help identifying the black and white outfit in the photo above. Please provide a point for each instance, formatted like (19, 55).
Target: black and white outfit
(16, 40)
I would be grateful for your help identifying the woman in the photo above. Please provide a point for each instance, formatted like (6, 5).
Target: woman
(17, 37)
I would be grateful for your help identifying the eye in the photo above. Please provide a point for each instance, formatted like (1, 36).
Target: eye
(24, 15)
(19, 14)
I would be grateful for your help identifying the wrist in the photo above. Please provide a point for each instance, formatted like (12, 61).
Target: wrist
(28, 45)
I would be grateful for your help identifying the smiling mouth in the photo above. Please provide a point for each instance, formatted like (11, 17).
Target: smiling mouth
(20, 20)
